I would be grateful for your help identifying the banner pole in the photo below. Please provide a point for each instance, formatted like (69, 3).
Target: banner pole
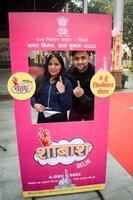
(3, 148)
(100, 195)
(97, 191)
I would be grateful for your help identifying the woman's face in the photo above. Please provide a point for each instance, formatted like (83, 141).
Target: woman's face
(54, 67)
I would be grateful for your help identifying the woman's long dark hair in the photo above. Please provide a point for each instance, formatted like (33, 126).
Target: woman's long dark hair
(46, 77)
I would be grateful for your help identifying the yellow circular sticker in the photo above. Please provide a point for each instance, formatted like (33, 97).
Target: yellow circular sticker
(21, 86)
(102, 84)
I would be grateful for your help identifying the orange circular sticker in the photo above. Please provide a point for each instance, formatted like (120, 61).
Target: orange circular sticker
(102, 84)
(21, 86)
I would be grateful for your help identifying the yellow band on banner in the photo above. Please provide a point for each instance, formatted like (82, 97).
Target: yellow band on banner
(64, 190)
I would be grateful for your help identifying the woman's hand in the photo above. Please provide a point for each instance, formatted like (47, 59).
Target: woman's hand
(60, 86)
(39, 107)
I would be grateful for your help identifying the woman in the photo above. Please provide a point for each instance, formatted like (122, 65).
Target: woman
(53, 92)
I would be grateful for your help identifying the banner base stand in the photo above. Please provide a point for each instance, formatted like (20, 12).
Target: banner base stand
(100, 195)
(97, 191)
(1, 147)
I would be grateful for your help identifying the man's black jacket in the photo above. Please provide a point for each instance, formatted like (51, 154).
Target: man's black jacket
(85, 103)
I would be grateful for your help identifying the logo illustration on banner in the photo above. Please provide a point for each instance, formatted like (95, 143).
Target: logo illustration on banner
(102, 84)
(62, 22)
(65, 181)
(64, 152)
(21, 86)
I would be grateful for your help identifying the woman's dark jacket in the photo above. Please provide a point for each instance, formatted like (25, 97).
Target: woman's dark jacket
(50, 97)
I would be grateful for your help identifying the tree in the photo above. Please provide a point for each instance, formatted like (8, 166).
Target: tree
(100, 6)
(74, 8)
(107, 7)
(94, 6)
(128, 24)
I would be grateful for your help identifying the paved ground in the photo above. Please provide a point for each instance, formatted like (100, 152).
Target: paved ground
(119, 182)
(4, 76)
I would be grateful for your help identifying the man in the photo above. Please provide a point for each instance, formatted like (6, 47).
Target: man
(80, 75)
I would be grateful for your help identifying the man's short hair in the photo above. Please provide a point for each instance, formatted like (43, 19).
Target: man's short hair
(74, 52)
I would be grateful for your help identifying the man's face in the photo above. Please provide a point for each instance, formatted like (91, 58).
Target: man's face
(81, 60)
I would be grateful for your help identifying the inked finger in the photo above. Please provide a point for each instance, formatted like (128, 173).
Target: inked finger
(60, 78)
(78, 83)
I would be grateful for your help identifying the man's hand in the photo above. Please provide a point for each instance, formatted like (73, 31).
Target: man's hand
(60, 86)
(78, 91)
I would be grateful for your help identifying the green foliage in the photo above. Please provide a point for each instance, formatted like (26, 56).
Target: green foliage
(100, 6)
(128, 24)
(124, 79)
(131, 68)
(107, 7)
(95, 6)
(74, 8)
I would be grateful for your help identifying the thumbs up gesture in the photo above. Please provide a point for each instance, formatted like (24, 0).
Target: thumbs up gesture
(60, 86)
(78, 91)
